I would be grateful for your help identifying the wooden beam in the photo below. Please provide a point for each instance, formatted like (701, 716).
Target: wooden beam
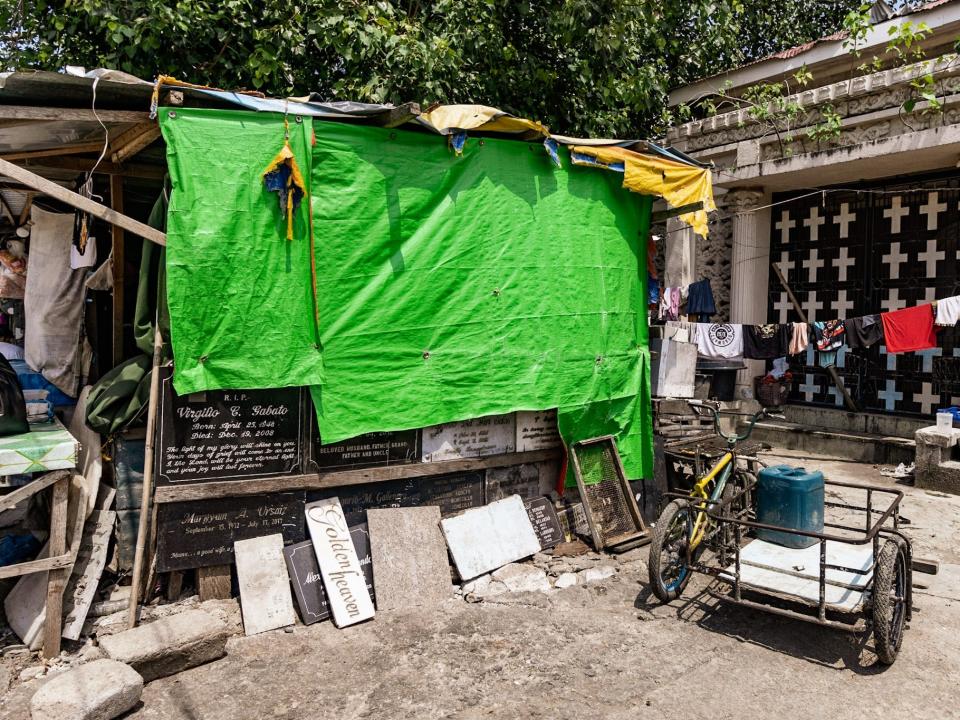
(832, 370)
(56, 579)
(23, 112)
(82, 164)
(337, 478)
(32, 488)
(174, 585)
(6, 210)
(64, 560)
(25, 213)
(15, 123)
(399, 115)
(78, 201)
(34, 566)
(55, 152)
(118, 250)
(662, 215)
(214, 582)
(133, 141)
(146, 492)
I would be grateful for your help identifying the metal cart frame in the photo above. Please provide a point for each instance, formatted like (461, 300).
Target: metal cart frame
(728, 517)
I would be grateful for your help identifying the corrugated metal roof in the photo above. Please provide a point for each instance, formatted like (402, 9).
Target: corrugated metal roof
(55, 124)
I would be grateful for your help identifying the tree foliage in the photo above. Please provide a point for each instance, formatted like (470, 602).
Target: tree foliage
(587, 67)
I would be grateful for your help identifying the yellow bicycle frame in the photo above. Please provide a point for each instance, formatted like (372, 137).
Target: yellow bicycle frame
(700, 491)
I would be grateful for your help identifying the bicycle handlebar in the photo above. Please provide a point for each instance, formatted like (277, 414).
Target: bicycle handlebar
(713, 408)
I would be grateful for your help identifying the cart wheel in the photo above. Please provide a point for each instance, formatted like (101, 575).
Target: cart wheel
(890, 578)
(668, 548)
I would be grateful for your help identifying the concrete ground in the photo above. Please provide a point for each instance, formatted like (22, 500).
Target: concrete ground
(605, 650)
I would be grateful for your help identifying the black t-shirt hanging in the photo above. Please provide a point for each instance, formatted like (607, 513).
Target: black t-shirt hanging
(765, 342)
(864, 331)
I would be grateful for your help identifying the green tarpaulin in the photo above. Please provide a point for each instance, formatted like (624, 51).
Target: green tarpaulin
(448, 287)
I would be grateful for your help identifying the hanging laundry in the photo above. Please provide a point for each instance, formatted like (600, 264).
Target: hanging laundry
(864, 332)
(653, 290)
(799, 338)
(829, 338)
(909, 329)
(85, 258)
(670, 304)
(829, 335)
(720, 340)
(700, 300)
(948, 311)
(652, 258)
(765, 342)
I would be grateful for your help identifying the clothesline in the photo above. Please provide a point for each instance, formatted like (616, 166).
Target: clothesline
(824, 192)
(908, 330)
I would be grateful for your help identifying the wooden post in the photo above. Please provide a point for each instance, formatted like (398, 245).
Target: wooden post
(117, 245)
(214, 582)
(832, 370)
(174, 585)
(145, 504)
(56, 579)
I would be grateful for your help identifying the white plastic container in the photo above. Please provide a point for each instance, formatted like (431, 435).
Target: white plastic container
(944, 420)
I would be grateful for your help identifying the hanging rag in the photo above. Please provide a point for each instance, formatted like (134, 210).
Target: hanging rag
(829, 335)
(864, 332)
(652, 258)
(765, 342)
(799, 338)
(283, 177)
(829, 339)
(55, 342)
(700, 300)
(653, 290)
(909, 329)
(948, 311)
(670, 304)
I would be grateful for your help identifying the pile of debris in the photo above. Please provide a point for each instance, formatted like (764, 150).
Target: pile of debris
(103, 677)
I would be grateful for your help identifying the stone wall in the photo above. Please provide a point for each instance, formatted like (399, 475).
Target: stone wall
(714, 255)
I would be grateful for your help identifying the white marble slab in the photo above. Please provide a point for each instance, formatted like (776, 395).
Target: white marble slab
(491, 435)
(264, 584)
(761, 560)
(537, 430)
(486, 538)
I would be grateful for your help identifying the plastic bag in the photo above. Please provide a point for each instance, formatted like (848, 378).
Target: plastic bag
(13, 408)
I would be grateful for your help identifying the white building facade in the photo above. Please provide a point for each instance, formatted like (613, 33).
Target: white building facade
(862, 218)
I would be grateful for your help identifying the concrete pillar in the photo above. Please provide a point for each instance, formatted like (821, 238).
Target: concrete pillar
(749, 269)
(680, 254)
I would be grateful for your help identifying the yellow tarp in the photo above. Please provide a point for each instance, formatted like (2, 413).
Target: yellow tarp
(677, 183)
(446, 118)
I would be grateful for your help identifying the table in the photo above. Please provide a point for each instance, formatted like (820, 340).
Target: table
(46, 447)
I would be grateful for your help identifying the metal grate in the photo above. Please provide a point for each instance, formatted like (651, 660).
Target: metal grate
(608, 501)
(946, 373)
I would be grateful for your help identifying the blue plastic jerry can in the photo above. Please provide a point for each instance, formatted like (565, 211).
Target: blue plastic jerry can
(792, 498)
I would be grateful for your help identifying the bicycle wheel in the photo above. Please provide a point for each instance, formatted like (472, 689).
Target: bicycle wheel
(667, 565)
(890, 578)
